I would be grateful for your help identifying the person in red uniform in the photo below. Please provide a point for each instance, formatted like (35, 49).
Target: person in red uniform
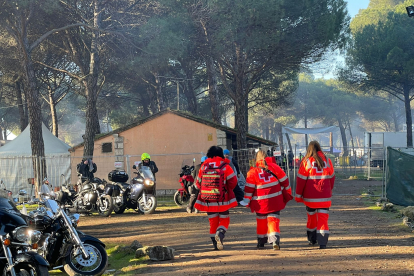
(217, 211)
(315, 182)
(266, 188)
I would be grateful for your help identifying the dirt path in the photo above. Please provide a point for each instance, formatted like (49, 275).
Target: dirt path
(362, 241)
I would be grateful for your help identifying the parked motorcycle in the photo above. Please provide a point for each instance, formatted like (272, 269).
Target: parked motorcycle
(61, 244)
(139, 195)
(91, 196)
(182, 195)
(16, 259)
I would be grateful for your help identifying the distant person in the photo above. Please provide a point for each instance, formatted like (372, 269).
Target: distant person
(267, 192)
(315, 182)
(290, 159)
(146, 161)
(233, 164)
(87, 168)
(215, 195)
(193, 189)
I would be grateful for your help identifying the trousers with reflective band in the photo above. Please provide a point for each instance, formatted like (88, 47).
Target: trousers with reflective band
(218, 221)
(317, 225)
(268, 226)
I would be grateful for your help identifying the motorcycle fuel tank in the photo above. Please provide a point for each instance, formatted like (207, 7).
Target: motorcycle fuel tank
(10, 217)
(91, 197)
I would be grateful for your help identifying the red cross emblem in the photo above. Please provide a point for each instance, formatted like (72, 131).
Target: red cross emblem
(315, 166)
(263, 175)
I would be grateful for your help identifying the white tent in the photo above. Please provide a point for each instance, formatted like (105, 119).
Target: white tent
(16, 161)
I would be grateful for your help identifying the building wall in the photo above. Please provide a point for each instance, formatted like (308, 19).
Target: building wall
(169, 139)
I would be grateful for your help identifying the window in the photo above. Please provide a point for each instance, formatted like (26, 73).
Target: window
(106, 147)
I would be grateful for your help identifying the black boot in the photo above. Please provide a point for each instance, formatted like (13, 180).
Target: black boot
(261, 242)
(219, 238)
(213, 239)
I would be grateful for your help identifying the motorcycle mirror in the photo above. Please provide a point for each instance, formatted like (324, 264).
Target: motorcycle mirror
(134, 167)
(22, 192)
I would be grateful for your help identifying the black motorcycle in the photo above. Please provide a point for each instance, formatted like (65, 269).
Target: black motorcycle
(139, 195)
(16, 259)
(61, 244)
(91, 196)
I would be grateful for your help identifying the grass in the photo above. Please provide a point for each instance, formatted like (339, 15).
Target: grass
(119, 260)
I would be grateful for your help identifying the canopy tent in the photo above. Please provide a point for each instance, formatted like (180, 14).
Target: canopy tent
(16, 161)
(308, 130)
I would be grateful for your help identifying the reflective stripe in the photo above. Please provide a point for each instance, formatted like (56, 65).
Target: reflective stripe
(230, 176)
(213, 215)
(225, 203)
(311, 230)
(271, 184)
(322, 231)
(247, 200)
(250, 185)
(323, 211)
(283, 178)
(298, 196)
(266, 196)
(213, 235)
(248, 194)
(273, 216)
(273, 234)
(311, 213)
(302, 176)
(319, 176)
(262, 236)
(224, 216)
(286, 188)
(222, 227)
(261, 217)
(316, 199)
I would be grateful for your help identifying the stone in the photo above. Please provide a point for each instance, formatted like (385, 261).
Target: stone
(135, 245)
(387, 207)
(161, 253)
(408, 212)
(141, 252)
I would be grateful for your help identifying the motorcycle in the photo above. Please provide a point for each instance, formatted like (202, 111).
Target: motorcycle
(182, 195)
(60, 243)
(139, 195)
(16, 257)
(90, 196)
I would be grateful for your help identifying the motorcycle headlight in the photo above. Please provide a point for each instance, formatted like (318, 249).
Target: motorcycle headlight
(33, 236)
(21, 233)
(101, 186)
(148, 182)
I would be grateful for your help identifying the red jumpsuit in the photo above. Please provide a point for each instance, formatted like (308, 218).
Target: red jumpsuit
(314, 188)
(218, 214)
(264, 193)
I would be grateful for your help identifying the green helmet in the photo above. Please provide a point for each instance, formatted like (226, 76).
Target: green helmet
(145, 156)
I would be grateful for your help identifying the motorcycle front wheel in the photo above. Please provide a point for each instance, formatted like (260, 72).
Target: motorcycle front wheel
(28, 270)
(97, 263)
(105, 207)
(149, 207)
(180, 200)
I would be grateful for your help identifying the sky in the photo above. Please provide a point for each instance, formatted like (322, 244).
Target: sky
(355, 5)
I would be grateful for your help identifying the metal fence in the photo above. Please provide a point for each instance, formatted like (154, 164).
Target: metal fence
(17, 172)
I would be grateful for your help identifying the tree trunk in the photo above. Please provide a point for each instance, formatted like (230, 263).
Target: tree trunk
(265, 128)
(52, 105)
(1, 134)
(408, 118)
(352, 141)
(306, 126)
(343, 135)
(189, 92)
(240, 125)
(395, 120)
(280, 136)
(212, 90)
(91, 86)
(21, 106)
(158, 92)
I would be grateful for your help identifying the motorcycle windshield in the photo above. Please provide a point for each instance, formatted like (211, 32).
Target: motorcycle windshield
(147, 173)
(6, 202)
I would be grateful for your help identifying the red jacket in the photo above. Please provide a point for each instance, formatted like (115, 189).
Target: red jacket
(263, 191)
(314, 186)
(230, 181)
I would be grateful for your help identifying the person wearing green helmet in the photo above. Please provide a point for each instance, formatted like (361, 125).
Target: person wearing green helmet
(146, 161)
